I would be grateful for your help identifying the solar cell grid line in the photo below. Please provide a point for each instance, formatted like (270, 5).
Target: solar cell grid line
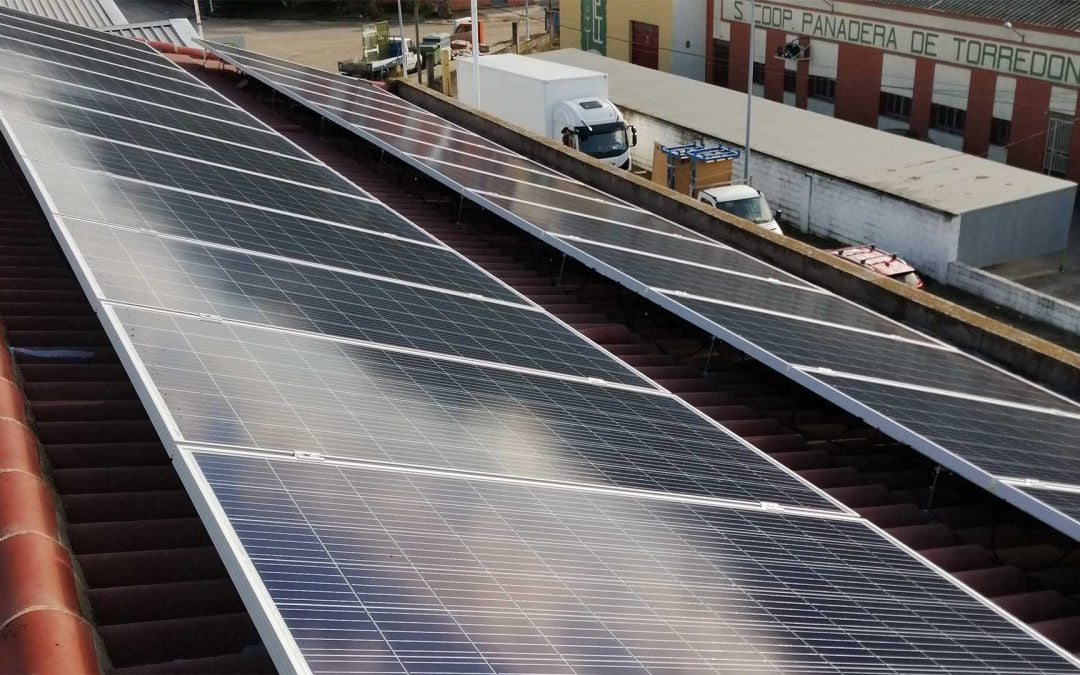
(101, 198)
(117, 86)
(1064, 499)
(227, 384)
(806, 344)
(284, 74)
(181, 276)
(49, 139)
(74, 32)
(48, 144)
(154, 137)
(984, 441)
(406, 571)
(327, 79)
(553, 226)
(174, 87)
(68, 93)
(75, 45)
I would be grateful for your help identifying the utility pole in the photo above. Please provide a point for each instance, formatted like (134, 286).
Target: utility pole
(528, 33)
(401, 32)
(475, 51)
(416, 19)
(749, 96)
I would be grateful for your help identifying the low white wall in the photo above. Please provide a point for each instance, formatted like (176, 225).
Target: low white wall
(837, 209)
(1027, 301)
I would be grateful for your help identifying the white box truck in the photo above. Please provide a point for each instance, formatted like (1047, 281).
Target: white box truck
(560, 102)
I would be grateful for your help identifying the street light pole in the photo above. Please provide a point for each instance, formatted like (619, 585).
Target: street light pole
(476, 51)
(404, 52)
(749, 96)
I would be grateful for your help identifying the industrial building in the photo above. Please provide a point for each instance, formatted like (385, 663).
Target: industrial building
(846, 182)
(994, 78)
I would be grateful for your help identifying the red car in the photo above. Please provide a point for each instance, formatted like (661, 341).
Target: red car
(884, 263)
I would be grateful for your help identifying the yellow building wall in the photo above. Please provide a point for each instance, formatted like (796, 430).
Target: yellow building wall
(618, 15)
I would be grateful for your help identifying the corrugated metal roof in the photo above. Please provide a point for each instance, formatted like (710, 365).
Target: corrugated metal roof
(923, 173)
(174, 31)
(1051, 13)
(89, 13)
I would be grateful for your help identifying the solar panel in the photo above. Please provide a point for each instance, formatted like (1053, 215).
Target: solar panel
(803, 336)
(686, 267)
(392, 571)
(1067, 501)
(227, 384)
(87, 195)
(129, 266)
(297, 328)
(155, 137)
(1008, 441)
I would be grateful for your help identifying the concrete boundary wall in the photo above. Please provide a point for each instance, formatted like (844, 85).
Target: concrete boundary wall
(1027, 301)
(1020, 352)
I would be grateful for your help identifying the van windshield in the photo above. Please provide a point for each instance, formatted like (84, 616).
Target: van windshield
(606, 140)
(754, 209)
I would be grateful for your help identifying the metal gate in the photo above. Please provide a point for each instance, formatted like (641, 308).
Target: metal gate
(1058, 140)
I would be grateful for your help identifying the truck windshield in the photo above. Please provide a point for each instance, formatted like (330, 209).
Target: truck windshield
(606, 140)
(754, 209)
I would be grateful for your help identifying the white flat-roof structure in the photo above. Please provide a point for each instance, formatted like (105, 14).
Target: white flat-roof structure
(847, 181)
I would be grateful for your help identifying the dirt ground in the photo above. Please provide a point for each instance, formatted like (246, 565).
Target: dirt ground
(321, 44)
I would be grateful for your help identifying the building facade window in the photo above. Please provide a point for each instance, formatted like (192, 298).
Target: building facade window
(791, 80)
(823, 88)
(1000, 131)
(759, 73)
(721, 62)
(895, 106)
(946, 118)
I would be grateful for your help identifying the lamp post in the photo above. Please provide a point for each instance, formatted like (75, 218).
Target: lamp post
(749, 96)
(401, 32)
(1023, 38)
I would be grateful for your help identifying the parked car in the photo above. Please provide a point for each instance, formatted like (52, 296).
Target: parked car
(742, 201)
(882, 262)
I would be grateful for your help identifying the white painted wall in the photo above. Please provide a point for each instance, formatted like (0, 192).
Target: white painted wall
(839, 209)
(946, 139)
(688, 38)
(1027, 301)
(998, 153)
(819, 106)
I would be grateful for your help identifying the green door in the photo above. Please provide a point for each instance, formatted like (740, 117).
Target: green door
(594, 26)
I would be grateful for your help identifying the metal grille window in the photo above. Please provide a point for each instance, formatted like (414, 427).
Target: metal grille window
(947, 118)
(721, 62)
(791, 80)
(1000, 131)
(823, 88)
(1058, 142)
(895, 105)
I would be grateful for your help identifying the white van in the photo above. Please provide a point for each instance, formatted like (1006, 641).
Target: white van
(742, 201)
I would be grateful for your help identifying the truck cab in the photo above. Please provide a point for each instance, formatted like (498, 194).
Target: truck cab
(595, 127)
(742, 201)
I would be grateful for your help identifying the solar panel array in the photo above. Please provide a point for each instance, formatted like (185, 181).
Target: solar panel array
(408, 467)
(974, 418)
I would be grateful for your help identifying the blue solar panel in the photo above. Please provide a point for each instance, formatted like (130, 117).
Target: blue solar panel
(786, 327)
(388, 571)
